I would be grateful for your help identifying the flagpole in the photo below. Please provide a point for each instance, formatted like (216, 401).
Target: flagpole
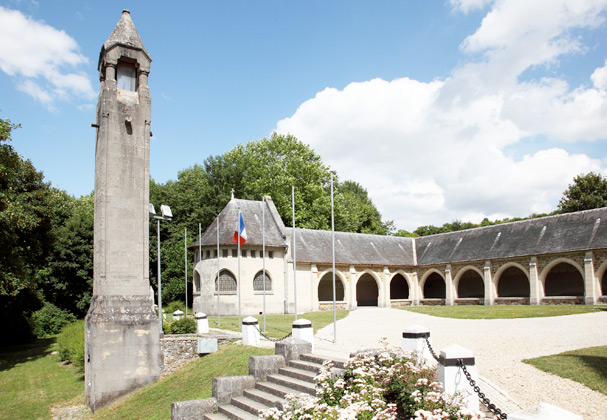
(218, 282)
(263, 252)
(239, 219)
(294, 253)
(199, 259)
(333, 260)
(185, 261)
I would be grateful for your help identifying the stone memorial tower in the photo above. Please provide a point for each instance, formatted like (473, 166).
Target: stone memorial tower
(122, 337)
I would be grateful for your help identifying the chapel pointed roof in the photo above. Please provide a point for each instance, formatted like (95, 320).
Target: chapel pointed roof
(125, 34)
(252, 213)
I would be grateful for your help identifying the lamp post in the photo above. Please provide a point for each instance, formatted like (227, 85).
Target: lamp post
(165, 214)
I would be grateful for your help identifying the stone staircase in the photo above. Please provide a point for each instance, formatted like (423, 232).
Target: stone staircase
(295, 378)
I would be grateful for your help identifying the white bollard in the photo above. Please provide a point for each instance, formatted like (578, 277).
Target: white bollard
(452, 376)
(302, 329)
(164, 315)
(250, 331)
(544, 411)
(202, 323)
(414, 341)
(177, 315)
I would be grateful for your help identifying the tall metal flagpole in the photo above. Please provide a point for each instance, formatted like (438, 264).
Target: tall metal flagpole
(218, 282)
(185, 261)
(263, 253)
(238, 228)
(294, 253)
(333, 259)
(199, 259)
(160, 317)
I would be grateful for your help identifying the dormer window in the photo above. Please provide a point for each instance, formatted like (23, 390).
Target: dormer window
(126, 76)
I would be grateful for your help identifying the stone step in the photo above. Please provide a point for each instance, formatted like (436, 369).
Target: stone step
(214, 416)
(236, 413)
(301, 374)
(318, 359)
(304, 365)
(276, 389)
(249, 405)
(271, 400)
(293, 383)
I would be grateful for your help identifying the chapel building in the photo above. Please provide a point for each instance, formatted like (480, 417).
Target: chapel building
(554, 259)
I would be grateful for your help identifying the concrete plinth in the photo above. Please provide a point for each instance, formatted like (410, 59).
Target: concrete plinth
(452, 376)
(414, 341)
(250, 331)
(202, 323)
(302, 329)
(122, 351)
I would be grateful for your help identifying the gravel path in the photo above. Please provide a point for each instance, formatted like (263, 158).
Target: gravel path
(499, 345)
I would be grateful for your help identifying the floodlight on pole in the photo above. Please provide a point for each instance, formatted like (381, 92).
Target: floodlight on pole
(165, 214)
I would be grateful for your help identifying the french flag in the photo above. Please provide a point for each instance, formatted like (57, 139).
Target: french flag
(243, 231)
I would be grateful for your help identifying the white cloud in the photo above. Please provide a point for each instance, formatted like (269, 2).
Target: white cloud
(44, 61)
(467, 6)
(432, 152)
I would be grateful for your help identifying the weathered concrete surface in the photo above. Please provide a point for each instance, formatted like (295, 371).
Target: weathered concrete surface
(262, 366)
(122, 337)
(227, 387)
(193, 409)
(291, 348)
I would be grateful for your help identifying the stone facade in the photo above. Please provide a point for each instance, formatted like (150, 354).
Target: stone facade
(493, 265)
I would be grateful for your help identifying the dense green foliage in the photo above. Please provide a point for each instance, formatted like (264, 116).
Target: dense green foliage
(587, 192)
(49, 320)
(182, 326)
(270, 166)
(70, 343)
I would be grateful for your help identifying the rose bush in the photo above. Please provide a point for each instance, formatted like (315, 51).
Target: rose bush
(382, 385)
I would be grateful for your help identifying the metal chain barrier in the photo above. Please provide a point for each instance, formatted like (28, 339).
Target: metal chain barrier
(271, 338)
(490, 406)
(431, 349)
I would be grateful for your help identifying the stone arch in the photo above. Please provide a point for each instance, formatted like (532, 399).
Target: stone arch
(602, 277)
(258, 285)
(227, 282)
(325, 288)
(469, 283)
(367, 290)
(196, 281)
(512, 281)
(399, 287)
(434, 286)
(563, 277)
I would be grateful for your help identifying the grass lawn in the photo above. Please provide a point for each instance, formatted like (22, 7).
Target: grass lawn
(587, 366)
(504, 311)
(280, 325)
(32, 379)
(193, 382)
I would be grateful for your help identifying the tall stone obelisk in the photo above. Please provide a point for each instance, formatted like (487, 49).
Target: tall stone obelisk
(122, 337)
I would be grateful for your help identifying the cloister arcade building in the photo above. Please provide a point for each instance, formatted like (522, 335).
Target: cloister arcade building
(555, 259)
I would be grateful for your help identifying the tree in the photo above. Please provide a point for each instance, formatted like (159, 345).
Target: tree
(587, 192)
(67, 278)
(25, 234)
(355, 212)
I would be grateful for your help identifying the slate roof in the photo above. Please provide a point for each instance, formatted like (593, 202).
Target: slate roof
(252, 214)
(314, 246)
(580, 231)
(585, 230)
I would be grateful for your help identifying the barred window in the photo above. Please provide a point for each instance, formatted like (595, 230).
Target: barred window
(244, 252)
(258, 282)
(208, 253)
(225, 253)
(234, 253)
(252, 253)
(227, 281)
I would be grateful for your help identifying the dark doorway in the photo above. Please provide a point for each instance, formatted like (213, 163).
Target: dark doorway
(367, 291)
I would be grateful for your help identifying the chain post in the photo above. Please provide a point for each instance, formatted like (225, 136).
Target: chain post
(486, 402)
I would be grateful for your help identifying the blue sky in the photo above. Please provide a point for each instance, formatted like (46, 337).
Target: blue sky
(443, 110)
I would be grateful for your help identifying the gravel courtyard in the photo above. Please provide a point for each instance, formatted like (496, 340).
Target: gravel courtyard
(499, 345)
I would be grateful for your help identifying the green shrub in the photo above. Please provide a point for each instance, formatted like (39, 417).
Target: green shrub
(71, 344)
(49, 320)
(183, 326)
(173, 306)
